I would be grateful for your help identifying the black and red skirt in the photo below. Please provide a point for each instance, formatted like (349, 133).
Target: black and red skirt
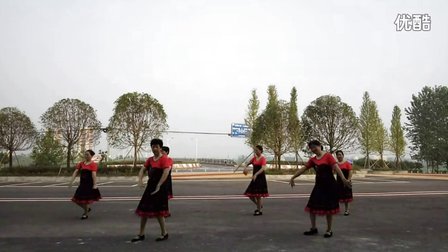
(259, 187)
(324, 199)
(152, 206)
(85, 194)
(169, 186)
(345, 193)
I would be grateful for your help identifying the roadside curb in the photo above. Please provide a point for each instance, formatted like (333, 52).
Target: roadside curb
(416, 176)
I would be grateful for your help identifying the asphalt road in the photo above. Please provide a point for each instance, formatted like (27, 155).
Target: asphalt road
(387, 215)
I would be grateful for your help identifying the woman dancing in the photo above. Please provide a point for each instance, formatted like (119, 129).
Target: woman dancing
(87, 191)
(169, 182)
(258, 187)
(345, 193)
(324, 199)
(154, 202)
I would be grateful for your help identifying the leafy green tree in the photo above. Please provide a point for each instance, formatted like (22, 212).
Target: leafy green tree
(71, 120)
(294, 126)
(47, 150)
(380, 140)
(17, 132)
(251, 117)
(271, 127)
(331, 121)
(397, 140)
(427, 126)
(137, 119)
(368, 122)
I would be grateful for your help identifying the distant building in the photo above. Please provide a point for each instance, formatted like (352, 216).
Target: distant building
(85, 142)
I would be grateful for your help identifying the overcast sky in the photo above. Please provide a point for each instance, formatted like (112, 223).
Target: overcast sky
(201, 58)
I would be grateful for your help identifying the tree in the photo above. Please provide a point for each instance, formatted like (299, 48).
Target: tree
(397, 141)
(251, 117)
(294, 126)
(367, 126)
(48, 151)
(331, 121)
(427, 126)
(271, 127)
(17, 132)
(137, 119)
(73, 121)
(380, 140)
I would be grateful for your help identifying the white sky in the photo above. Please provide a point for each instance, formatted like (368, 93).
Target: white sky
(200, 59)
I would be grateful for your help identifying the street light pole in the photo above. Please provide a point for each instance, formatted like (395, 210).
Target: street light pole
(196, 156)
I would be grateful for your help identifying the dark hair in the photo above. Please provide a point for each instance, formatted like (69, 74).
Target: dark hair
(339, 151)
(91, 152)
(259, 147)
(157, 141)
(314, 143)
(166, 149)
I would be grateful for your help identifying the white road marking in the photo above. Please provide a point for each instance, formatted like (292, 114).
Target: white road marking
(57, 185)
(210, 180)
(236, 197)
(20, 184)
(104, 183)
(353, 182)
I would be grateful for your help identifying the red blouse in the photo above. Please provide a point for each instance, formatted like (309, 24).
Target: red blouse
(170, 162)
(92, 166)
(261, 161)
(327, 159)
(161, 163)
(345, 166)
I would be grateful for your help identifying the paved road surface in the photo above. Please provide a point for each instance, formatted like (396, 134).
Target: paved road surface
(387, 215)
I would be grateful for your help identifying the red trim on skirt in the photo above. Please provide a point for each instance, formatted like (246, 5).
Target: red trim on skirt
(170, 196)
(322, 212)
(346, 200)
(85, 201)
(262, 195)
(153, 214)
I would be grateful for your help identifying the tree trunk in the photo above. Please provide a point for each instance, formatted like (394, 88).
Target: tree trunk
(10, 158)
(297, 159)
(134, 165)
(69, 155)
(367, 160)
(382, 161)
(279, 157)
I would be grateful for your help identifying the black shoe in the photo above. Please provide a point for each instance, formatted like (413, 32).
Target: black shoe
(84, 217)
(162, 238)
(138, 238)
(346, 213)
(328, 234)
(313, 231)
(258, 213)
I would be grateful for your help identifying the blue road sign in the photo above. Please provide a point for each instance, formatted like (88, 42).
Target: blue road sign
(239, 130)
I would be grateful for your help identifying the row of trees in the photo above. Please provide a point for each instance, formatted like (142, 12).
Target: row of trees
(337, 126)
(137, 118)
(427, 126)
